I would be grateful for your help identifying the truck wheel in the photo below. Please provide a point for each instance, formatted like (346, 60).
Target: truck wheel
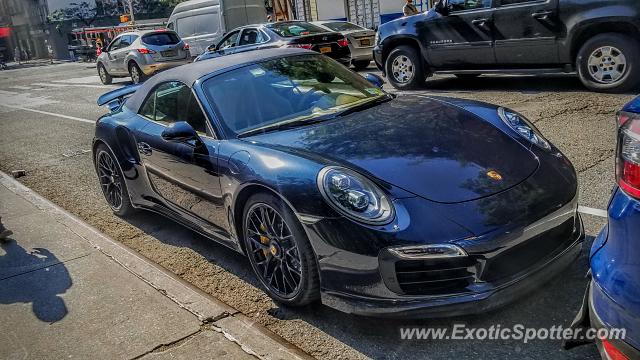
(609, 63)
(404, 68)
(104, 75)
(137, 76)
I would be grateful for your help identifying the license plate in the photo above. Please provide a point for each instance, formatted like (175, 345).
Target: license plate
(168, 53)
(325, 49)
(365, 42)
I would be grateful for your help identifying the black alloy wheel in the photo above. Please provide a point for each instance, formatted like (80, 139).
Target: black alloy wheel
(112, 182)
(279, 251)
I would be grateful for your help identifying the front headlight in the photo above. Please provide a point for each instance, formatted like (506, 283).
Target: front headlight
(523, 127)
(354, 196)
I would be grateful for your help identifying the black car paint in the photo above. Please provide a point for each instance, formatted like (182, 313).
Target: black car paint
(530, 34)
(202, 184)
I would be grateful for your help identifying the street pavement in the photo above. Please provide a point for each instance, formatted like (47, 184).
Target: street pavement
(67, 291)
(46, 117)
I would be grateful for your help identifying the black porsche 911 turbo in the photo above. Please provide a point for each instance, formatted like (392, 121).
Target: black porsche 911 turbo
(337, 191)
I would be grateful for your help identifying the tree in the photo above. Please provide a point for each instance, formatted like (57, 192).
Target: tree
(83, 12)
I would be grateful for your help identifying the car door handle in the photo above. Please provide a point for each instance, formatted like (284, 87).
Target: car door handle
(144, 148)
(542, 15)
(480, 22)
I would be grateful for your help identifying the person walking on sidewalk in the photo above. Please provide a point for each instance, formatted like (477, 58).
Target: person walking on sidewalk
(17, 57)
(4, 232)
(410, 9)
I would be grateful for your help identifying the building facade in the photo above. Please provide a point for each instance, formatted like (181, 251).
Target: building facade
(367, 13)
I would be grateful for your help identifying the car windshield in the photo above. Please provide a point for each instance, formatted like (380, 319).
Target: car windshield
(298, 28)
(342, 26)
(286, 90)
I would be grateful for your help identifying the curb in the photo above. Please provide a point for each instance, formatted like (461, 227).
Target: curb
(254, 338)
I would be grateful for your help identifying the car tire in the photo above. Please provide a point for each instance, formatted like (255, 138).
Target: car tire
(609, 63)
(466, 76)
(404, 68)
(105, 78)
(286, 250)
(360, 65)
(137, 76)
(111, 179)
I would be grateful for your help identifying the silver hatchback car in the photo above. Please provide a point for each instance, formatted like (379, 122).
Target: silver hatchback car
(140, 54)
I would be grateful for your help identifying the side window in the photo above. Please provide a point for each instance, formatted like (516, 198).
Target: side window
(133, 38)
(174, 101)
(149, 107)
(115, 44)
(459, 5)
(229, 41)
(125, 41)
(250, 36)
(195, 117)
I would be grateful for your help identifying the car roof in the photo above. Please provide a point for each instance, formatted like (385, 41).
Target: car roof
(189, 73)
(144, 32)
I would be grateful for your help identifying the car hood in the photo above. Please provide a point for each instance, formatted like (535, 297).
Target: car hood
(422, 145)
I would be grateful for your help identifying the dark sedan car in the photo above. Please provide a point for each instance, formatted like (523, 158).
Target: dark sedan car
(336, 190)
(287, 34)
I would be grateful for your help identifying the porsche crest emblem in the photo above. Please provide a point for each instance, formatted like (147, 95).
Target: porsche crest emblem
(494, 175)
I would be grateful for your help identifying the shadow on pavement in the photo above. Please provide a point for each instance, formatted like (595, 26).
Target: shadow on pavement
(40, 281)
(553, 304)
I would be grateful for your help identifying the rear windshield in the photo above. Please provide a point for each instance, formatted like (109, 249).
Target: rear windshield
(163, 38)
(342, 26)
(291, 29)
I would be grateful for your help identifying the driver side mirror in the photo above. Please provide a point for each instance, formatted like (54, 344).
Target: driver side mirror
(179, 131)
(441, 7)
(104, 49)
(375, 80)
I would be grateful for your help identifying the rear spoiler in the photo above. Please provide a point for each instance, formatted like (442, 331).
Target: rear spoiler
(118, 94)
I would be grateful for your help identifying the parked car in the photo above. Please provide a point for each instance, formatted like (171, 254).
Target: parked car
(612, 298)
(202, 22)
(360, 41)
(288, 34)
(597, 39)
(140, 54)
(340, 192)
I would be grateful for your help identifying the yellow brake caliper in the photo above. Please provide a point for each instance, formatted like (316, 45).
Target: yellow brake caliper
(264, 239)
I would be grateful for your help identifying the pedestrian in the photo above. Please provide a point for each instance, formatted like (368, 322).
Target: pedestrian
(17, 55)
(49, 51)
(410, 9)
(4, 232)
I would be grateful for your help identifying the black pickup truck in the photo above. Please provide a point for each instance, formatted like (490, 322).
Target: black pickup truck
(598, 39)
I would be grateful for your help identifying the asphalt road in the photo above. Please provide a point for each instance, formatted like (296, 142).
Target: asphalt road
(53, 149)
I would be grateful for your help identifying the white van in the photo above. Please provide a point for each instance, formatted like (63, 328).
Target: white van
(200, 23)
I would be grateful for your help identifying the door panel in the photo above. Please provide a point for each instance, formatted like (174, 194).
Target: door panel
(532, 38)
(185, 175)
(461, 39)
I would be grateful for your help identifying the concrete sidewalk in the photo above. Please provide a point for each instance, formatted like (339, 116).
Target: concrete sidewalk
(67, 290)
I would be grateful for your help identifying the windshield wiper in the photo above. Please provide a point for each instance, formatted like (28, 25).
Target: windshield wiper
(289, 124)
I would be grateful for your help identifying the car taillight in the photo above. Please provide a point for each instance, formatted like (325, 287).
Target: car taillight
(612, 352)
(146, 51)
(343, 42)
(186, 47)
(302, 46)
(628, 159)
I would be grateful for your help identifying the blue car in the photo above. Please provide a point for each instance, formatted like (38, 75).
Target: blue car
(613, 296)
(339, 192)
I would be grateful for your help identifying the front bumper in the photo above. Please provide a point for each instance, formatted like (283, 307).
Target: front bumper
(371, 286)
